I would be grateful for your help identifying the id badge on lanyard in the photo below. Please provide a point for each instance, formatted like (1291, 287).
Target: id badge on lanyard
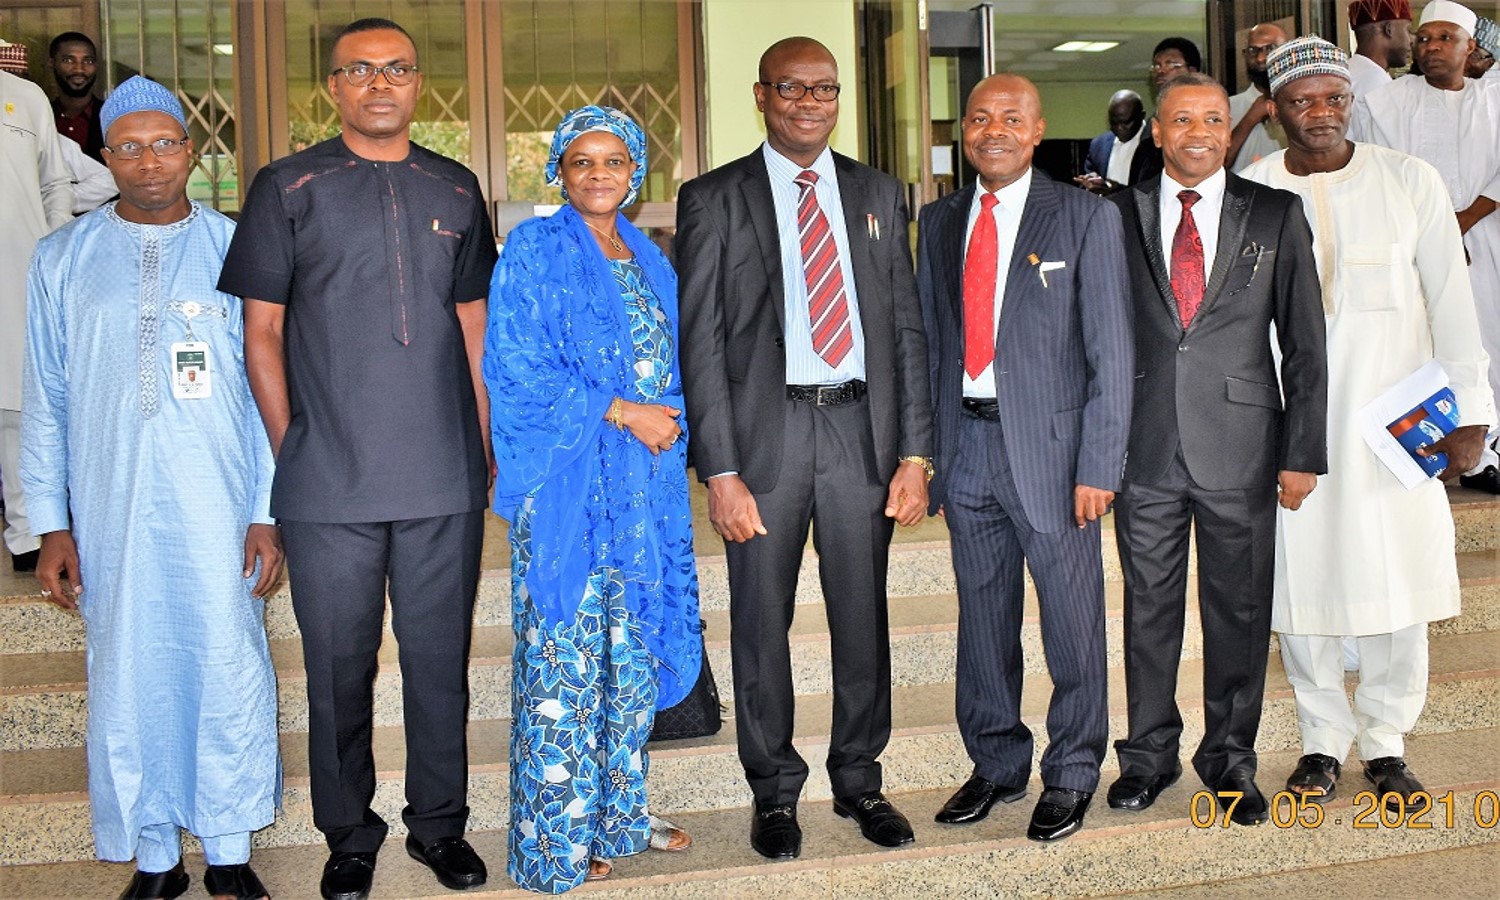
(192, 369)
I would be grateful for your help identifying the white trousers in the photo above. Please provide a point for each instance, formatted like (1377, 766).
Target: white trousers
(18, 535)
(1392, 691)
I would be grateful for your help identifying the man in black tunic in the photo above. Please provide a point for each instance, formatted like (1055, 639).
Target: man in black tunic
(364, 262)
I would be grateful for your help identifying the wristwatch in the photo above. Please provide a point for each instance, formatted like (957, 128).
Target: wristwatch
(924, 461)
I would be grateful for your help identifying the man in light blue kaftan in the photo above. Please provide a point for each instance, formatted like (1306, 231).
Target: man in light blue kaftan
(138, 420)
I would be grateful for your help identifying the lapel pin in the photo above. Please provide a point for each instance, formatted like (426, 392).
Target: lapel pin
(872, 226)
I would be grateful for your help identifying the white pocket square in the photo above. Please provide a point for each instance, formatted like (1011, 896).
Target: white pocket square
(1054, 265)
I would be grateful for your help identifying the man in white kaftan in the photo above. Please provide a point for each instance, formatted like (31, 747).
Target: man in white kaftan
(1364, 556)
(138, 420)
(36, 196)
(1453, 123)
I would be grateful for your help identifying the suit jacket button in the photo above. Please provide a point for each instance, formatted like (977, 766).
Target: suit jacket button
(1182, 348)
(780, 342)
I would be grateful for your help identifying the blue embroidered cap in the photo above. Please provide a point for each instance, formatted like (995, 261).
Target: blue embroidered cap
(1487, 34)
(139, 94)
(585, 119)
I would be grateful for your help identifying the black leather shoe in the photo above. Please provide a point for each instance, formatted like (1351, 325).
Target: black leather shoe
(1251, 808)
(1137, 792)
(239, 882)
(26, 562)
(166, 885)
(879, 821)
(347, 876)
(1391, 777)
(774, 832)
(451, 859)
(1316, 778)
(973, 800)
(1487, 481)
(1059, 812)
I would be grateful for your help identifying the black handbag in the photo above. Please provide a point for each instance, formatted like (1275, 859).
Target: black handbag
(699, 714)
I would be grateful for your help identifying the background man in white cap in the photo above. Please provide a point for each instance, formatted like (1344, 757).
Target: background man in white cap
(1382, 36)
(1414, 303)
(139, 421)
(1453, 123)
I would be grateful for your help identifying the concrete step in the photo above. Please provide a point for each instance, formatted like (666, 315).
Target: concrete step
(43, 695)
(29, 625)
(43, 791)
(1166, 846)
(1461, 873)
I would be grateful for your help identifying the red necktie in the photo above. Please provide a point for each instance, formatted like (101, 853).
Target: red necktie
(980, 264)
(1187, 261)
(827, 306)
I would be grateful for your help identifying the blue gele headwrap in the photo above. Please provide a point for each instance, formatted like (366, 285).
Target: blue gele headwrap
(585, 119)
(139, 94)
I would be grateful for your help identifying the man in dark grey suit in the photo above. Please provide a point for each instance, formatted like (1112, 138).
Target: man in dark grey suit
(1023, 291)
(1215, 262)
(805, 370)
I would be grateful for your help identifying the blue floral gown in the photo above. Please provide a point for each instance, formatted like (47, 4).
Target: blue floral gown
(584, 691)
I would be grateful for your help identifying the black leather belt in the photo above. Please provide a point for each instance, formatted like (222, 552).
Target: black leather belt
(826, 394)
(982, 409)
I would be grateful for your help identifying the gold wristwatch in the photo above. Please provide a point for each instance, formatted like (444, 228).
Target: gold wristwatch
(924, 461)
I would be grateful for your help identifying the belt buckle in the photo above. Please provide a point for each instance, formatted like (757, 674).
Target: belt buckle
(832, 390)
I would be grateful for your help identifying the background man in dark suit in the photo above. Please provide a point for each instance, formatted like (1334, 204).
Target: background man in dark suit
(1125, 153)
(1215, 261)
(805, 369)
(1023, 291)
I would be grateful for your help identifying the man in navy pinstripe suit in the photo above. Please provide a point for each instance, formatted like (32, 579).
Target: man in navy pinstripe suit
(1023, 287)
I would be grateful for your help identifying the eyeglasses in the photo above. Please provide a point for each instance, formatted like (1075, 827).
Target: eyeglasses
(363, 74)
(1259, 49)
(791, 90)
(163, 147)
(1167, 66)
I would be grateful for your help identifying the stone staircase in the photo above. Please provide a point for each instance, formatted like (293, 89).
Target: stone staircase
(1175, 847)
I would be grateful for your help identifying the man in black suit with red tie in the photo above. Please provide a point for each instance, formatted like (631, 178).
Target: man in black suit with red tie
(805, 370)
(1023, 286)
(1216, 440)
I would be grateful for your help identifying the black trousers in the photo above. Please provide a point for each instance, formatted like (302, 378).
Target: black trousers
(339, 576)
(827, 480)
(1236, 560)
(992, 541)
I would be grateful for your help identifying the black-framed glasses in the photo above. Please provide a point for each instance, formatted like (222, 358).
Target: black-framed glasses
(791, 90)
(363, 74)
(162, 148)
(1259, 49)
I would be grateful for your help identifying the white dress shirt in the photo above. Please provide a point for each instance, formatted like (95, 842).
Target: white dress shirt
(1206, 214)
(1121, 155)
(1007, 213)
(803, 364)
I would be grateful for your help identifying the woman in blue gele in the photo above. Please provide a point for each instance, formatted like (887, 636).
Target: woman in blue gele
(590, 445)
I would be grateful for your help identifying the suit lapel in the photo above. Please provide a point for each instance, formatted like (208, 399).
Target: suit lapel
(1148, 214)
(756, 188)
(1233, 221)
(856, 224)
(954, 222)
(1034, 236)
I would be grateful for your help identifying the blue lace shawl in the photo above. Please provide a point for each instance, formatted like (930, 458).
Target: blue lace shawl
(557, 350)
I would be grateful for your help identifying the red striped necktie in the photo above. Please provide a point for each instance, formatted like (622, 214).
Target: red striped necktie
(827, 306)
(981, 266)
